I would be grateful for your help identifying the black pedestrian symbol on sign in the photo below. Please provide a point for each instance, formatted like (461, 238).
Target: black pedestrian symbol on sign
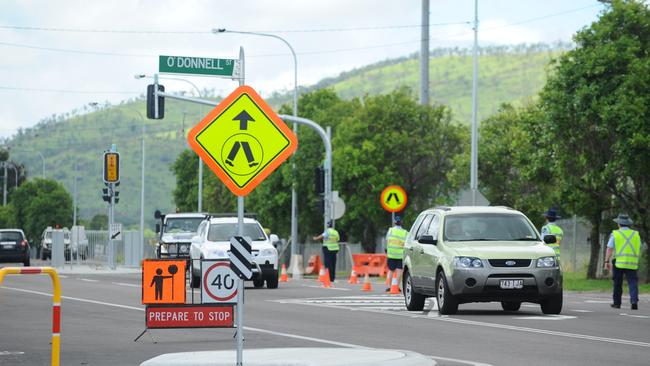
(247, 150)
(158, 281)
(253, 155)
(392, 195)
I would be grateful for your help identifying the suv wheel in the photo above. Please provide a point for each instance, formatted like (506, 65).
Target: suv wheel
(447, 303)
(258, 282)
(413, 300)
(510, 305)
(552, 305)
(272, 279)
(26, 262)
(195, 281)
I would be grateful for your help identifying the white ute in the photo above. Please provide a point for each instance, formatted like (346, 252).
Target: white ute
(213, 242)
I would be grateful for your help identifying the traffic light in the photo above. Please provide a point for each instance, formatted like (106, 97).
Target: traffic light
(111, 167)
(152, 113)
(319, 175)
(106, 195)
(117, 196)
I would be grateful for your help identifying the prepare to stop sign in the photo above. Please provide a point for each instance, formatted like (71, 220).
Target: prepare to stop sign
(218, 282)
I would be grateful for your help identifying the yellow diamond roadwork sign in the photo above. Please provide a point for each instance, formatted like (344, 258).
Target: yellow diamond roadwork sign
(393, 198)
(242, 140)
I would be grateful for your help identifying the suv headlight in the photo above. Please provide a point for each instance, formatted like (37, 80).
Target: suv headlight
(185, 248)
(468, 262)
(268, 252)
(546, 262)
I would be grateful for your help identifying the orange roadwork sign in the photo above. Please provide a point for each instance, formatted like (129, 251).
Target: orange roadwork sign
(163, 282)
(242, 140)
(393, 198)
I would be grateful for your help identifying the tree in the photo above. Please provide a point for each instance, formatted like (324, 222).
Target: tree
(40, 203)
(99, 222)
(516, 167)
(598, 108)
(7, 216)
(391, 139)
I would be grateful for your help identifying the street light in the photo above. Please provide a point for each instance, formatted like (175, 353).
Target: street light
(198, 91)
(294, 196)
(34, 151)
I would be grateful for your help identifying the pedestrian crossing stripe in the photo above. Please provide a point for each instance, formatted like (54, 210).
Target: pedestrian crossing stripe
(383, 303)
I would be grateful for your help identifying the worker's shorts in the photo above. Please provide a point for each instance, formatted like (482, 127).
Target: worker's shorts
(394, 264)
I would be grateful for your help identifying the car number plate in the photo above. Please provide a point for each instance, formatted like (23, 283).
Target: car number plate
(7, 246)
(512, 284)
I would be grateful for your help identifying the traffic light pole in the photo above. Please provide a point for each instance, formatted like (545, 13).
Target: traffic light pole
(111, 220)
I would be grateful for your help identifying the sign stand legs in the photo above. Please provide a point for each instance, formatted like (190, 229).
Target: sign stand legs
(143, 332)
(240, 288)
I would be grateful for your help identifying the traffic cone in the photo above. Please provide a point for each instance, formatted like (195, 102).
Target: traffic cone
(326, 279)
(283, 274)
(388, 277)
(394, 285)
(366, 283)
(321, 274)
(354, 279)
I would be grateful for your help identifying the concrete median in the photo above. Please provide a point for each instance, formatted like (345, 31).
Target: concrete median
(296, 357)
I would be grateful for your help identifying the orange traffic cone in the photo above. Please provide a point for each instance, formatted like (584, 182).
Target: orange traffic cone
(321, 274)
(326, 279)
(366, 283)
(394, 285)
(388, 277)
(283, 274)
(354, 279)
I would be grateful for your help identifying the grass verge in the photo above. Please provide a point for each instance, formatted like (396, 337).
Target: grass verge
(577, 281)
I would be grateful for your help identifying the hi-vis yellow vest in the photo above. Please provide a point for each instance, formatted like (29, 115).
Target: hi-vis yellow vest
(332, 241)
(395, 242)
(627, 247)
(557, 231)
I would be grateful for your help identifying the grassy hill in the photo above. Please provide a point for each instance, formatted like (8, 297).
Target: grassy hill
(78, 139)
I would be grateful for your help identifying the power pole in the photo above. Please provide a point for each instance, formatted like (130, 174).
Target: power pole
(474, 161)
(424, 55)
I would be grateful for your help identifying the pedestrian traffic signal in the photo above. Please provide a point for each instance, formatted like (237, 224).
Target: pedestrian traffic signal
(111, 167)
(319, 175)
(116, 194)
(152, 111)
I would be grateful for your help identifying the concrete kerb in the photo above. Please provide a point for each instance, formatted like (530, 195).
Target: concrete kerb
(296, 357)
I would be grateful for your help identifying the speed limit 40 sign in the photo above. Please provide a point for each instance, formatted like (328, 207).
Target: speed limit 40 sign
(218, 282)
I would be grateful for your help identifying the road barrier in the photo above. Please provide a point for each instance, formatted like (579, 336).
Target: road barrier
(372, 264)
(314, 265)
(56, 303)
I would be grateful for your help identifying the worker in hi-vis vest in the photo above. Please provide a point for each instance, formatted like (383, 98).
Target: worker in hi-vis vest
(395, 238)
(551, 228)
(330, 239)
(625, 245)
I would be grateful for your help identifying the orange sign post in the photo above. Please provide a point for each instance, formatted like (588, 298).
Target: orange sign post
(163, 282)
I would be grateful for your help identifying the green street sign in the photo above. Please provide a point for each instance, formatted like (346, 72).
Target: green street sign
(197, 66)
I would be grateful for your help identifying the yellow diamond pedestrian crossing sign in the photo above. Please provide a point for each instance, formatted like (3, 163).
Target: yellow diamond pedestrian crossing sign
(242, 140)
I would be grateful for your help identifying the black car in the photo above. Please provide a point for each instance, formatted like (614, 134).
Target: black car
(14, 247)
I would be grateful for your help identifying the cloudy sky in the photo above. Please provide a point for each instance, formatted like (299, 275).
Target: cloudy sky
(58, 55)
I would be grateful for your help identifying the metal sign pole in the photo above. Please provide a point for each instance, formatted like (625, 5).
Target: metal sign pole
(240, 232)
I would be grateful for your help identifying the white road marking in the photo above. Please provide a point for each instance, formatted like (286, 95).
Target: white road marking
(473, 363)
(63, 276)
(11, 353)
(582, 311)
(529, 306)
(546, 317)
(597, 301)
(635, 316)
(328, 288)
(88, 280)
(466, 321)
(252, 329)
(126, 284)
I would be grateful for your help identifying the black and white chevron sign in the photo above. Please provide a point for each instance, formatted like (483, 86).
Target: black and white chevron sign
(240, 257)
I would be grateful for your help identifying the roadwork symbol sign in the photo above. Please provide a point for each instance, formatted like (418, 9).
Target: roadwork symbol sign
(242, 140)
(163, 282)
(393, 199)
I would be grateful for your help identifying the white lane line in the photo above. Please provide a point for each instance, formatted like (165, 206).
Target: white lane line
(546, 317)
(63, 276)
(597, 301)
(635, 316)
(88, 280)
(582, 311)
(328, 288)
(125, 284)
(76, 299)
(319, 340)
(473, 363)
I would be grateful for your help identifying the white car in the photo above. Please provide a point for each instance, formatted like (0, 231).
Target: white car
(213, 242)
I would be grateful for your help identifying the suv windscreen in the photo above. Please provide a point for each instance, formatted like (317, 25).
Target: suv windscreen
(11, 236)
(488, 226)
(224, 231)
(182, 225)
